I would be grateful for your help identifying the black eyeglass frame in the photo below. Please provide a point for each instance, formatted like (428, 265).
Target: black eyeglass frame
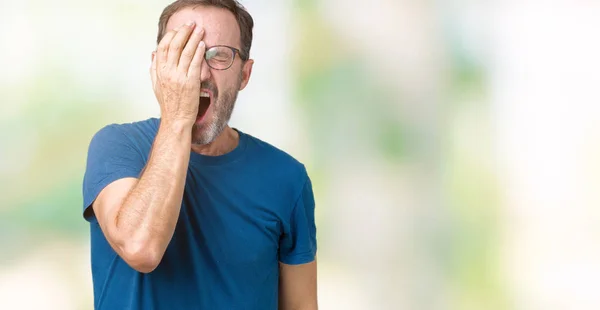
(233, 49)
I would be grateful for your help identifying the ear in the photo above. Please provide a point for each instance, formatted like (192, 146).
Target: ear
(153, 70)
(246, 72)
(152, 59)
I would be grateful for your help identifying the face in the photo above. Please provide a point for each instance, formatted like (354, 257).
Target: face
(221, 86)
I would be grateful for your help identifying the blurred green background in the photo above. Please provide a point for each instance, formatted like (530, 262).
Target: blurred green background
(454, 146)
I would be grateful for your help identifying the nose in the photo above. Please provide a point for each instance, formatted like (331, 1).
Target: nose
(205, 73)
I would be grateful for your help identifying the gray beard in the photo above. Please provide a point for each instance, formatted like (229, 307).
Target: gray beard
(223, 109)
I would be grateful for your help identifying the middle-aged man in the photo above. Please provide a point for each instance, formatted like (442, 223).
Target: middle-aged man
(186, 212)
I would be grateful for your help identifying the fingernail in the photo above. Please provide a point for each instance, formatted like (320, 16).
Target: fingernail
(198, 30)
(201, 43)
(189, 23)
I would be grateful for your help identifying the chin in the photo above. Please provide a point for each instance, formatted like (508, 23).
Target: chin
(205, 134)
(202, 139)
(200, 135)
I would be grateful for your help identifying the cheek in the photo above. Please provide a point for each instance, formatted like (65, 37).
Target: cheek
(229, 82)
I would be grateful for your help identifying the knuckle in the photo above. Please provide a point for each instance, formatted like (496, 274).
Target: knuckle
(164, 42)
(172, 79)
(189, 84)
(181, 80)
(162, 74)
(175, 47)
(188, 53)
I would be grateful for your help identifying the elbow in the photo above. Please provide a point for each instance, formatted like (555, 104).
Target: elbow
(144, 265)
(143, 259)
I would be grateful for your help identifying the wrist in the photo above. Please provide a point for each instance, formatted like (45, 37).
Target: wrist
(177, 125)
(177, 129)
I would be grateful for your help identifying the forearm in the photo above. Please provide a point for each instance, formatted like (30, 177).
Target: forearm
(146, 220)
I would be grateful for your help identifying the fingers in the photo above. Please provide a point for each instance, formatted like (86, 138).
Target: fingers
(190, 50)
(196, 64)
(163, 47)
(178, 43)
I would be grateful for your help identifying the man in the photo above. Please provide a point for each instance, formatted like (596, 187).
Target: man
(186, 212)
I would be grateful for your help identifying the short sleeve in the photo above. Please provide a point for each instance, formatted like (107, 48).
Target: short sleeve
(298, 244)
(111, 156)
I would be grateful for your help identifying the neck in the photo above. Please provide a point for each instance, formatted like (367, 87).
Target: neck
(223, 144)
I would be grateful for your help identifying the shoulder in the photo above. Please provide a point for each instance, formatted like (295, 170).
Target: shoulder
(140, 132)
(276, 163)
(144, 127)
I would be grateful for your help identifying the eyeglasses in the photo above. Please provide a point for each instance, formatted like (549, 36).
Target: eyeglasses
(221, 57)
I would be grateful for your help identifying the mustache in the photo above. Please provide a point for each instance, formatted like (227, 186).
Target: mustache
(210, 86)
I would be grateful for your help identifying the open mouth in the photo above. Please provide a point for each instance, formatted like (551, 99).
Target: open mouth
(204, 104)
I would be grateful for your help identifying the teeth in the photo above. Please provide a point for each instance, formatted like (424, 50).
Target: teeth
(204, 94)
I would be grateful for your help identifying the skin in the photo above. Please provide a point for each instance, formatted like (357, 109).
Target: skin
(138, 216)
(222, 84)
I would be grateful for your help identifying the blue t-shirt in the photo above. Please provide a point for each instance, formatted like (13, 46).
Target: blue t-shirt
(242, 213)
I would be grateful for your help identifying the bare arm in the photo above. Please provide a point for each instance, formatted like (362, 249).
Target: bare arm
(138, 216)
(298, 286)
